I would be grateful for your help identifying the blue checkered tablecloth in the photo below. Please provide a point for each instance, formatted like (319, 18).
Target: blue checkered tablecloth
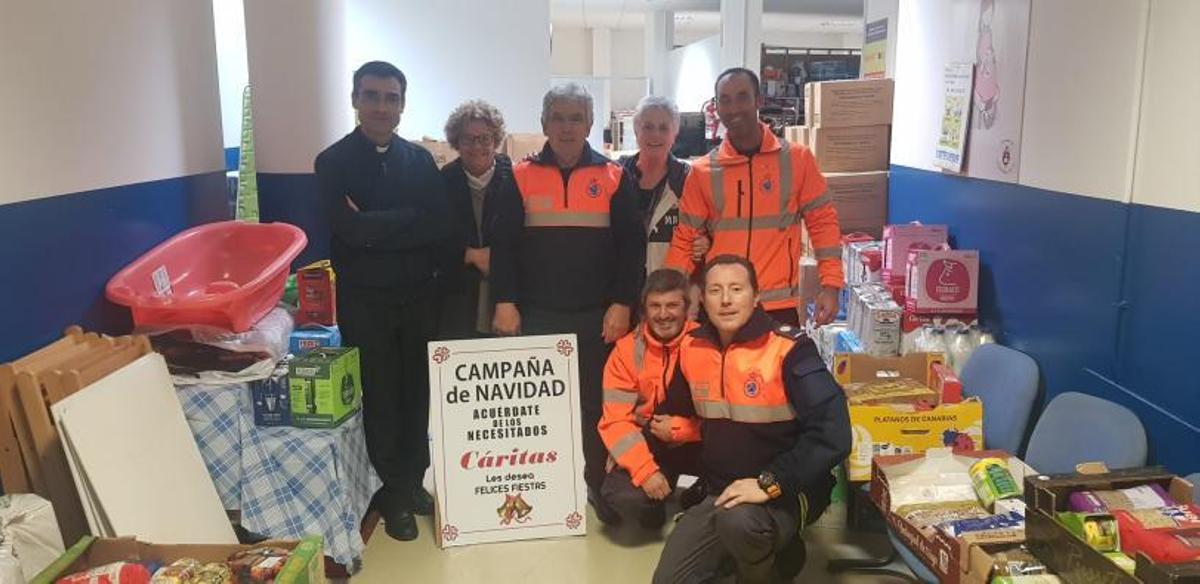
(300, 481)
(287, 482)
(214, 413)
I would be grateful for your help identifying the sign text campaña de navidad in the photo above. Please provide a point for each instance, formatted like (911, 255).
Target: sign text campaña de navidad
(511, 387)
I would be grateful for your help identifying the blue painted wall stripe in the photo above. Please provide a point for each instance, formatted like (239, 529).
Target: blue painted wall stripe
(1063, 274)
(294, 198)
(60, 252)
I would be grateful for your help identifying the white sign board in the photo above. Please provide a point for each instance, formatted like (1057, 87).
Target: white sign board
(956, 115)
(507, 452)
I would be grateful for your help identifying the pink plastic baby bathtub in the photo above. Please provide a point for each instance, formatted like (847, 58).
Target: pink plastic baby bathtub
(227, 274)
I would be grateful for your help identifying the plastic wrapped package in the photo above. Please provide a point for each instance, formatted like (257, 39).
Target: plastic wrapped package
(178, 572)
(960, 347)
(114, 573)
(269, 335)
(29, 524)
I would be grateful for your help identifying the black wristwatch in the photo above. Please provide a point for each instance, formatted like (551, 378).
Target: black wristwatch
(767, 482)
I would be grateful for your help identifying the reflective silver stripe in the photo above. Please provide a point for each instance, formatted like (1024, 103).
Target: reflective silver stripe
(785, 185)
(553, 219)
(626, 443)
(745, 413)
(691, 220)
(639, 352)
(832, 252)
(716, 173)
(779, 294)
(620, 396)
(820, 201)
(640, 419)
(744, 223)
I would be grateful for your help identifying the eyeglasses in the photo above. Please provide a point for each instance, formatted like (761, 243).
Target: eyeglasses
(480, 140)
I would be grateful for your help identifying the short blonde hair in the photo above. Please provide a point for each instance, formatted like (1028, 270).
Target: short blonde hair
(474, 110)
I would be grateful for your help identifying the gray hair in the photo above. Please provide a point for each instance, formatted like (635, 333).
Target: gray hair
(657, 102)
(571, 92)
(474, 110)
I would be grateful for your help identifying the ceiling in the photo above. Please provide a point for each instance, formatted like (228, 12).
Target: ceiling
(832, 16)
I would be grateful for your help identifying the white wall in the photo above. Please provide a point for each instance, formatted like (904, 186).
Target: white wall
(1167, 173)
(571, 51)
(229, 22)
(1081, 94)
(120, 92)
(691, 71)
(880, 9)
(500, 53)
(812, 40)
(1083, 82)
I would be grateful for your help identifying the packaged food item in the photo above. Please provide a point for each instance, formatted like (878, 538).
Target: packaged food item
(1167, 535)
(942, 281)
(213, 574)
(1016, 562)
(899, 239)
(929, 515)
(317, 291)
(178, 572)
(114, 573)
(1098, 530)
(960, 348)
(1009, 506)
(960, 526)
(946, 384)
(258, 564)
(1151, 496)
(993, 481)
(889, 391)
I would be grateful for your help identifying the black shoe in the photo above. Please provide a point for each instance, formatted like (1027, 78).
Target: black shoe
(789, 561)
(693, 495)
(422, 502)
(606, 514)
(400, 524)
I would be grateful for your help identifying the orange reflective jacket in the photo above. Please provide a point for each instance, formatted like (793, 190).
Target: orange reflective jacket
(636, 377)
(752, 207)
(766, 402)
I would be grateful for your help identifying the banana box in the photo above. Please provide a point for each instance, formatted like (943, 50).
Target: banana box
(903, 428)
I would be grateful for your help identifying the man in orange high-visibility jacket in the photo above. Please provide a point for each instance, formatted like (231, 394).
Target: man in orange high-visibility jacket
(650, 450)
(750, 194)
(774, 424)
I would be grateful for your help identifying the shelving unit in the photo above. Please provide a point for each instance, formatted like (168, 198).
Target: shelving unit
(785, 70)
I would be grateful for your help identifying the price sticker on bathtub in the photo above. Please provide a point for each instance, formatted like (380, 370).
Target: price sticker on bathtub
(162, 281)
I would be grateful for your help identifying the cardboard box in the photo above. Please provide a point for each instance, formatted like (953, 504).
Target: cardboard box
(442, 152)
(796, 135)
(317, 292)
(858, 102)
(305, 565)
(891, 429)
(303, 340)
(518, 146)
(272, 398)
(859, 368)
(861, 200)
(1070, 557)
(942, 282)
(898, 480)
(852, 149)
(326, 387)
(898, 240)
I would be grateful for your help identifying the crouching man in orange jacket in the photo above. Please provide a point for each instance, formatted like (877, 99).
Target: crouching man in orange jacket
(649, 450)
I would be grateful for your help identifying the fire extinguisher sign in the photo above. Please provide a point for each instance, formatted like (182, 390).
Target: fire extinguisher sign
(507, 452)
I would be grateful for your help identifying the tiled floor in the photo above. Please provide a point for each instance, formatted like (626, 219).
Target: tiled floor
(602, 556)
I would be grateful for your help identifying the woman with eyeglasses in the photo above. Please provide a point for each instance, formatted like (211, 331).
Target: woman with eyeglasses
(475, 129)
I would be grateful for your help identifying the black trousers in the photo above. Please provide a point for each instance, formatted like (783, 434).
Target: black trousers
(631, 502)
(586, 325)
(391, 328)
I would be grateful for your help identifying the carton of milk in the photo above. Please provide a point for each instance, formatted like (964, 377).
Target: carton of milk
(943, 282)
(898, 240)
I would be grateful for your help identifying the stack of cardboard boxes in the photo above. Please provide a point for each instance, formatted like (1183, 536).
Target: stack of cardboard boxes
(848, 128)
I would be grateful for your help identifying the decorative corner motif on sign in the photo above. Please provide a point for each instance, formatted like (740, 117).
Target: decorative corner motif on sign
(565, 348)
(449, 532)
(440, 355)
(574, 520)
